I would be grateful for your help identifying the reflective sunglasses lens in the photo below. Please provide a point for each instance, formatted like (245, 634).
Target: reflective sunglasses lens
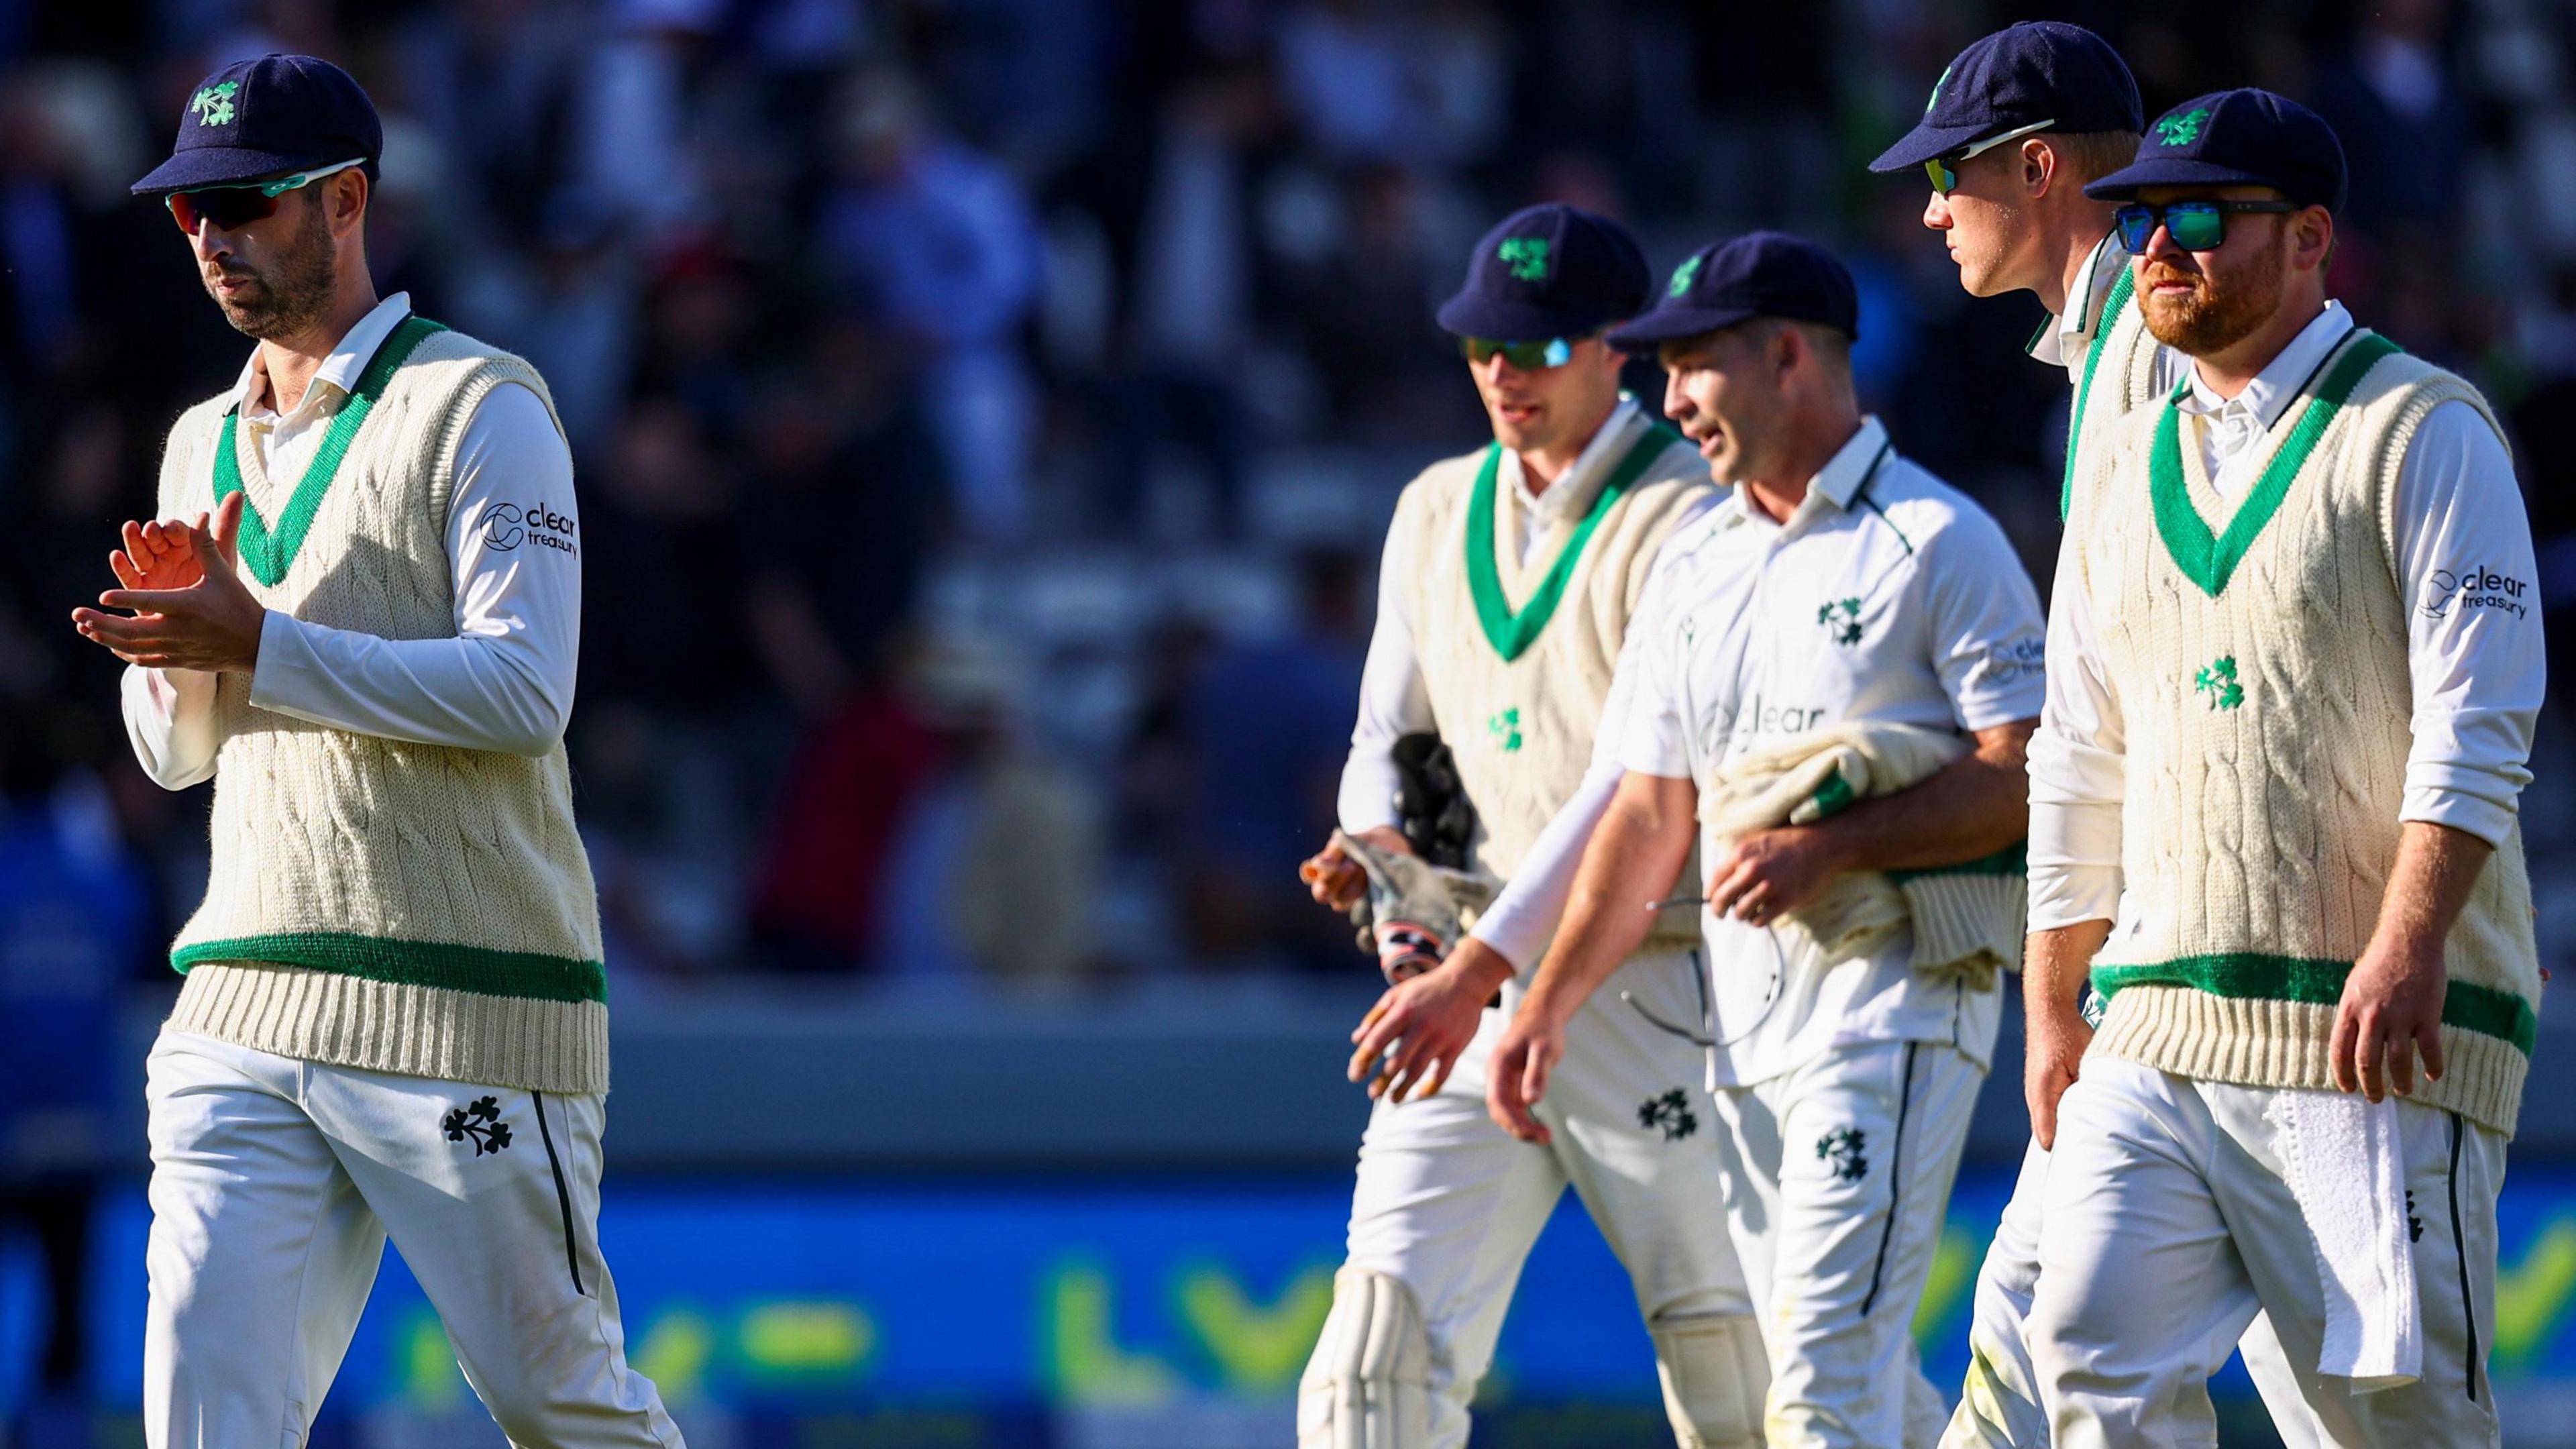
(2136, 224)
(2197, 226)
(227, 207)
(1527, 356)
(1944, 180)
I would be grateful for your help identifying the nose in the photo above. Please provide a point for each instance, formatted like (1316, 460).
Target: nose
(2160, 244)
(1677, 404)
(1936, 212)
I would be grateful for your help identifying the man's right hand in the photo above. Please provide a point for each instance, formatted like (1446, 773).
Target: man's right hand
(2052, 1058)
(1336, 880)
(1427, 1021)
(159, 556)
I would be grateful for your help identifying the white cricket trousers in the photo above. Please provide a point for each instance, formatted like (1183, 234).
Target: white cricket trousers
(2169, 1226)
(1839, 1180)
(1450, 1204)
(275, 1183)
(1999, 1404)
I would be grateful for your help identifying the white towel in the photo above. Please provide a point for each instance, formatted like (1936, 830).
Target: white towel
(2344, 1165)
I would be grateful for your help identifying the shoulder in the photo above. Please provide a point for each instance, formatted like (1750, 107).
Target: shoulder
(1441, 488)
(1922, 507)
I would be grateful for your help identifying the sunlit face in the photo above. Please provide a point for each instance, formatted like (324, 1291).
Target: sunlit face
(1724, 391)
(2203, 302)
(272, 277)
(1985, 219)
(1544, 409)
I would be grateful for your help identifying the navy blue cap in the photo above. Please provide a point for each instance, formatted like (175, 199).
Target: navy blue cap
(1759, 274)
(2023, 75)
(2243, 137)
(259, 119)
(1549, 271)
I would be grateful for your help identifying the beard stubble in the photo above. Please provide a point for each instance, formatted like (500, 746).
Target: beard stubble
(2219, 312)
(294, 291)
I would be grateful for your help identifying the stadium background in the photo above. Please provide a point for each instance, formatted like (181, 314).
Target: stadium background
(986, 413)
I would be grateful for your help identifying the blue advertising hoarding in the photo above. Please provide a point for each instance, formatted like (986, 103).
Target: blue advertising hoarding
(1027, 1301)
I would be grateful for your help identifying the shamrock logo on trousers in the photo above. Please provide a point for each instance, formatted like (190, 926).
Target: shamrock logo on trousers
(480, 1120)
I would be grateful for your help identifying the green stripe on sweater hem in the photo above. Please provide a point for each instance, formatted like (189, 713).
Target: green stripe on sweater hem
(412, 963)
(2246, 975)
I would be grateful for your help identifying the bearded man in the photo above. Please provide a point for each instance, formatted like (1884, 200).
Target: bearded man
(2292, 675)
(358, 614)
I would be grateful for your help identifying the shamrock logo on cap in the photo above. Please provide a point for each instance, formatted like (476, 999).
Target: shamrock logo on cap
(1526, 255)
(1684, 275)
(2184, 129)
(1936, 88)
(214, 104)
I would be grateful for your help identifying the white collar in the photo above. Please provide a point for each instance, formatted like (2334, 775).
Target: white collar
(1837, 483)
(2061, 340)
(1575, 483)
(2270, 393)
(338, 372)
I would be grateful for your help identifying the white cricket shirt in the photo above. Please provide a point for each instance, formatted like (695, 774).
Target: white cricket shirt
(1887, 596)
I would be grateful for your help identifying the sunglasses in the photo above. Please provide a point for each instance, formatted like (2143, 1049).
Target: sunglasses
(1527, 356)
(1943, 169)
(231, 207)
(2196, 226)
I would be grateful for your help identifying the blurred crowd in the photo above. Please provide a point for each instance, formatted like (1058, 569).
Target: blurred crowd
(985, 410)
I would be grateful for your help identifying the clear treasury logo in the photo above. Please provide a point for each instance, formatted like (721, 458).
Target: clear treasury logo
(507, 525)
(2475, 587)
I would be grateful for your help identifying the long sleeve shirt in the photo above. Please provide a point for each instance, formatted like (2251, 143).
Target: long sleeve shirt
(505, 682)
(2473, 653)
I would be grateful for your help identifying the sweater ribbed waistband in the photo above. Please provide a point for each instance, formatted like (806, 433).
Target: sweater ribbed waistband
(2264, 1042)
(420, 1031)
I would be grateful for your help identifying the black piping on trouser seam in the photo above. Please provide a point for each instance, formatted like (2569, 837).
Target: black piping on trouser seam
(2460, 1250)
(1895, 1177)
(563, 1195)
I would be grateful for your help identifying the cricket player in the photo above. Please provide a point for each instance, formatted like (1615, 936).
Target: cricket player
(1840, 590)
(2292, 677)
(394, 1018)
(2016, 126)
(1510, 576)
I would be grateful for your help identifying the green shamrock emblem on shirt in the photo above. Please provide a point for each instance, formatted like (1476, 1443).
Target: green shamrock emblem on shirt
(2218, 681)
(2184, 129)
(214, 104)
(1504, 727)
(1526, 255)
(1841, 619)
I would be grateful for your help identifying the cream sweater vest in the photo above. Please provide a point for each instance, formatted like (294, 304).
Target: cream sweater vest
(375, 903)
(2119, 377)
(1517, 662)
(2262, 675)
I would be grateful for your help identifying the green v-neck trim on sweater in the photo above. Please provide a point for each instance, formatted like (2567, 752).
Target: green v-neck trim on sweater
(1510, 631)
(2210, 559)
(270, 551)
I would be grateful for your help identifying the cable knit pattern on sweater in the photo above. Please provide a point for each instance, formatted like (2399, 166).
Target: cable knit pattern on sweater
(1521, 728)
(373, 902)
(2263, 679)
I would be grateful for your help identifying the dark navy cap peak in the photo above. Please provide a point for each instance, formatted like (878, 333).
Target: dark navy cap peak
(259, 119)
(1759, 274)
(1549, 271)
(2040, 71)
(2245, 137)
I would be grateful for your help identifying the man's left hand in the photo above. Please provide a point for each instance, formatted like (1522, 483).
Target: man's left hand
(212, 624)
(2392, 1005)
(1768, 874)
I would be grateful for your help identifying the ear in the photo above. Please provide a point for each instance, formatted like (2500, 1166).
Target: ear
(350, 193)
(2312, 237)
(2039, 162)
